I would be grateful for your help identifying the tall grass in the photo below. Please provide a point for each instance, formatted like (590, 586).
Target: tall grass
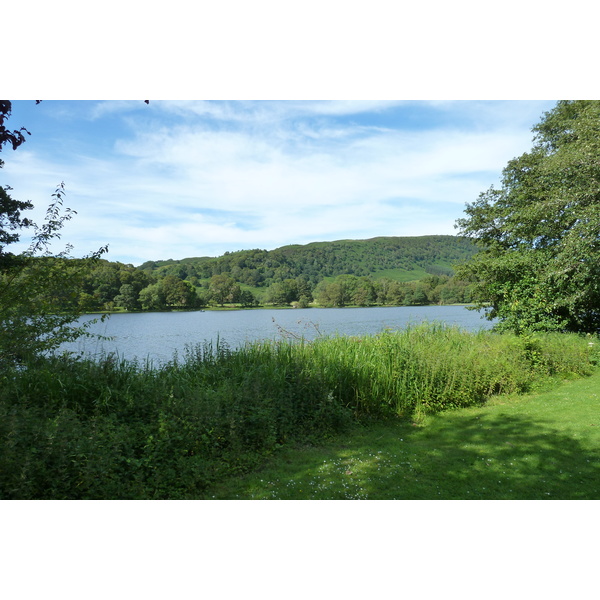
(433, 367)
(74, 428)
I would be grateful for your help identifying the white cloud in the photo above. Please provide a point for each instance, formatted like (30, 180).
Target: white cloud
(247, 175)
(244, 170)
(264, 111)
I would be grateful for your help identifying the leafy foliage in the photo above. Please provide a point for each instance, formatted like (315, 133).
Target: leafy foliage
(16, 137)
(153, 285)
(539, 235)
(347, 290)
(39, 292)
(10, 209)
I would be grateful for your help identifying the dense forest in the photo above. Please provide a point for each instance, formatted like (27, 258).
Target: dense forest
(379, 271)
(405, 257)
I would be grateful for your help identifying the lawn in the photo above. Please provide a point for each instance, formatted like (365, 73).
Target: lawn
(538, 446)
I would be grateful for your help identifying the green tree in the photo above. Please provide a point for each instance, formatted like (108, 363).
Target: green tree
(152, 297)
(385, 290)
(103, 284)
(364, 292)
(11, 219)
(417, 295)
(337, 293)
(40, 293)
(283, 292)
(178, 293)
(247, 298)
(539, 234)
(127, 297)
(222, 288)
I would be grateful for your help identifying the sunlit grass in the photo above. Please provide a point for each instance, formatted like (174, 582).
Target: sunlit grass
(543, 446)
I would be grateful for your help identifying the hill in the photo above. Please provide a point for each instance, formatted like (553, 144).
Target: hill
(380, 271)
(395, 258)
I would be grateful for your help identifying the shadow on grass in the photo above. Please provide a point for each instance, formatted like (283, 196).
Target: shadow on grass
(456, 456)
(499, 456)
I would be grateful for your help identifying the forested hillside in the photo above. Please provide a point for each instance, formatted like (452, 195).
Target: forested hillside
(380, 271)
(398, 258)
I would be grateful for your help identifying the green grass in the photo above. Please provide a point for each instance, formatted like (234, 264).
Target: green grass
(401, 275)
(538, 446)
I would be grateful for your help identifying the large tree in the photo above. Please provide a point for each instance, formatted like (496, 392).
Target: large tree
(538, 264)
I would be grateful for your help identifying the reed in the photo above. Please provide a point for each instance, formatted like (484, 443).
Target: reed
(428, 367)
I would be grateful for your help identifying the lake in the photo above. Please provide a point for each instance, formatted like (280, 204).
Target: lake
(157, 336)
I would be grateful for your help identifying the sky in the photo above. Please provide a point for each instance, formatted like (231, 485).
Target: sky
(176, 179)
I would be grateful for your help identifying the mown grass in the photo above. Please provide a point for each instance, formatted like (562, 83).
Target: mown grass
(543, 446)
(73, 428)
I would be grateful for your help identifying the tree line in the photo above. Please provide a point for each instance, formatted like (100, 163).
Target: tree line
(346, 290)
(109, 286)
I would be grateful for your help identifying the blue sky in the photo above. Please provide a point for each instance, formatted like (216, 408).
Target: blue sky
(175, 179)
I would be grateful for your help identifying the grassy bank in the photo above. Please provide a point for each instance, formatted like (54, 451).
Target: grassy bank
(543, 446)
(115, 429)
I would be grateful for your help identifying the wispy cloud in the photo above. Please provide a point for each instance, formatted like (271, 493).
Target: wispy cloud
(269, 111)
(199, 178)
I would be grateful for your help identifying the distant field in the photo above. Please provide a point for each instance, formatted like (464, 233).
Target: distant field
(400, 274)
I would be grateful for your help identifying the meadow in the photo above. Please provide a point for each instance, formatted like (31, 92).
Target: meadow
(214, 419)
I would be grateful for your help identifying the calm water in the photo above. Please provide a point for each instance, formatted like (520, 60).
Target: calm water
(157, 336)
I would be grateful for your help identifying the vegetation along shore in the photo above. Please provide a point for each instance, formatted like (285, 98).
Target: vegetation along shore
(115, 429)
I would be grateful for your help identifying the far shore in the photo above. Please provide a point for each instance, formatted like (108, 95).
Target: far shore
(233, 308)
